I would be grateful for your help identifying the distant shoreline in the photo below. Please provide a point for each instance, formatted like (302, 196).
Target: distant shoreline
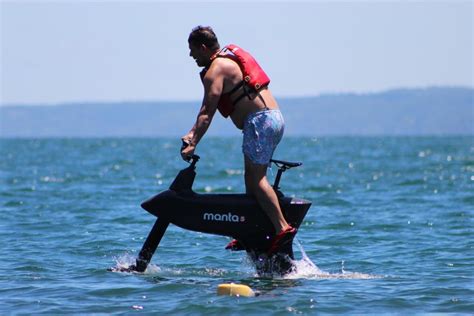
(399, 112)
(279, 98)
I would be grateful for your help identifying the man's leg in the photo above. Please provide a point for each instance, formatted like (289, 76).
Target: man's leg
(256, 183)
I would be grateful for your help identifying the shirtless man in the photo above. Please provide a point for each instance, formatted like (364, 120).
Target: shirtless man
(255, 112)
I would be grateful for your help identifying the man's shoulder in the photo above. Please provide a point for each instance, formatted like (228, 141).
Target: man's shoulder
(224, 61)
(223, 65)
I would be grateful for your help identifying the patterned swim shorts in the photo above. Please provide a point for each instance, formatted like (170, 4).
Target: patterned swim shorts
(262, 132)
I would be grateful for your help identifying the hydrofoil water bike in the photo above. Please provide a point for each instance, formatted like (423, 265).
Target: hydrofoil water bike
(234, 215)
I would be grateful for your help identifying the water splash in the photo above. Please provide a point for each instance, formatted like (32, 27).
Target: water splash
(124, 262)
(306, 269)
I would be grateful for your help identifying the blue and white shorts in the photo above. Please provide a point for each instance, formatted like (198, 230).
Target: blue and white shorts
(262, 132)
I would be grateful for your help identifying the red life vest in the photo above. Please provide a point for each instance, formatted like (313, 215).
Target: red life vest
(255, 79)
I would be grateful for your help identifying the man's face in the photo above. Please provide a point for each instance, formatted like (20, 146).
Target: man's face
(198, 54)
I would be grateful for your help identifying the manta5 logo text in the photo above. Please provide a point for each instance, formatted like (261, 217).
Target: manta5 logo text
(229, 217)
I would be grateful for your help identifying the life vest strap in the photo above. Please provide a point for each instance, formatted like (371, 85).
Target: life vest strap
(246, 93)
(237, 87)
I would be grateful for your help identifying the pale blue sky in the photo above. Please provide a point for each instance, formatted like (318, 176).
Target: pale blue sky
(64, 51)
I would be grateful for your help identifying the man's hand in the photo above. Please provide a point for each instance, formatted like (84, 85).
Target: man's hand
(187, 150)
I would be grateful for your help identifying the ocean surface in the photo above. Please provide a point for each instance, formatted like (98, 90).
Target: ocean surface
(390, 229)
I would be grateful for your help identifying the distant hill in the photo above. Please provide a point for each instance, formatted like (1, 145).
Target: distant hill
(430, 111)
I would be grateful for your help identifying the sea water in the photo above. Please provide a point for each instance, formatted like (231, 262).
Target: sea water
(390, 229)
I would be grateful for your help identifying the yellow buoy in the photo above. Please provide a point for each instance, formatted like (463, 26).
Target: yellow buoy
(234, 290)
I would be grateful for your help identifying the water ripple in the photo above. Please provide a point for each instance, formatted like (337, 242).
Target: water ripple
(390, 229)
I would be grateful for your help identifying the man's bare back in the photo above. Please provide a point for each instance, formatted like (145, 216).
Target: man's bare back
(232, 74)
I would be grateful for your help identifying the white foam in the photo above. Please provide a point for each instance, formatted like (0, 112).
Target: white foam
(124, 262)
(306, 269)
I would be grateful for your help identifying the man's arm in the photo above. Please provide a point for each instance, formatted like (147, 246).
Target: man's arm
(213, 83)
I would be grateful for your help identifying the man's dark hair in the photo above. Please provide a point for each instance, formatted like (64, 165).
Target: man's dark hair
(204, 35)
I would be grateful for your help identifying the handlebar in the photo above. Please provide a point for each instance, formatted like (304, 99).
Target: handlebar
(194, 159)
